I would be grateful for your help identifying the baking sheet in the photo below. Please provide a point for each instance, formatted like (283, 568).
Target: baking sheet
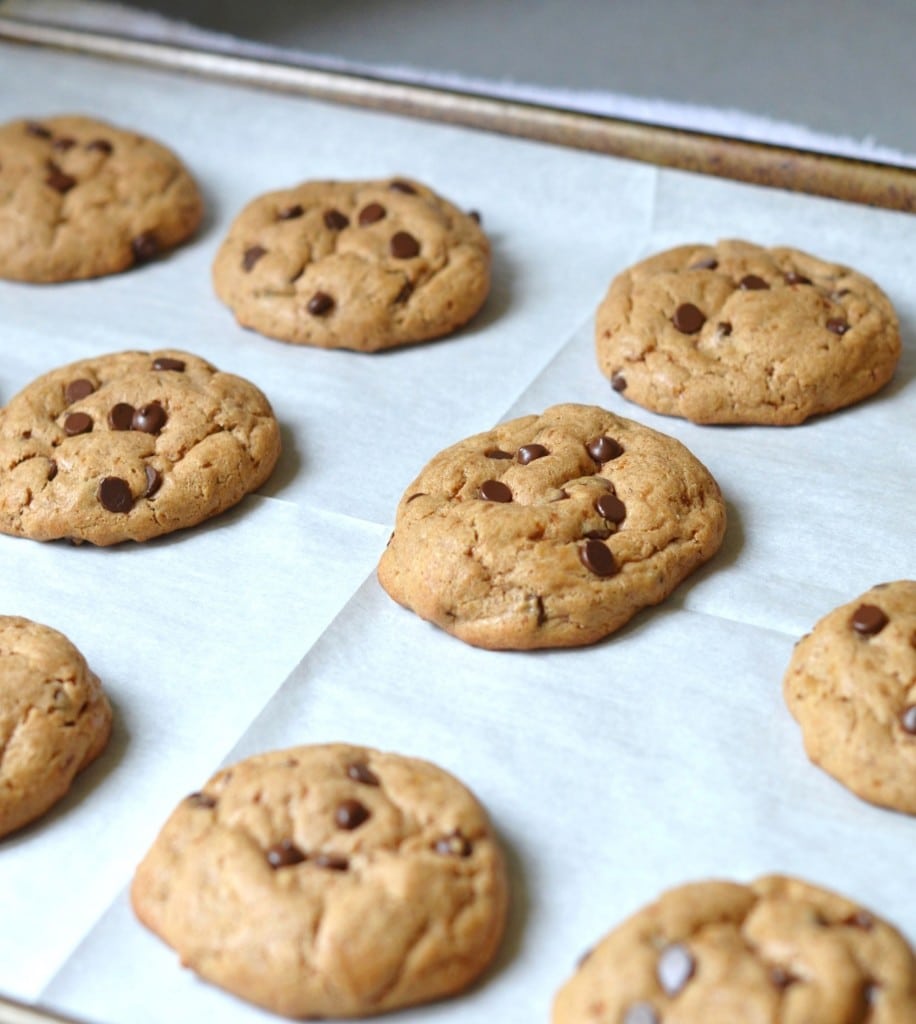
(661, 755)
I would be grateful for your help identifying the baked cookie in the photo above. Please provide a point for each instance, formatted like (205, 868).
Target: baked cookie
(54, 719)
(80, 198)
(362, 265)
(328, 881)
(851, 685)
(777, 950)
(735, 333)
(551, 530)
(129, 446)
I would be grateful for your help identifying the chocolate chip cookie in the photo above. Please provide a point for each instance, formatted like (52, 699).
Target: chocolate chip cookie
(551, 530)
(54, 719)
(81, 198)
(328, 881)
(361, 265)
(736, 333)
(778, 949)
(851, 684)
(130, 446)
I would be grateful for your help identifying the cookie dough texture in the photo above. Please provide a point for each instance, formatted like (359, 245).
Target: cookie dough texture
(777, 951)
(361, 265)
(737, 333)
(328, 881)
(851, 685)
(54, 719)
(551, 530)
(130, 446)
(80, 198)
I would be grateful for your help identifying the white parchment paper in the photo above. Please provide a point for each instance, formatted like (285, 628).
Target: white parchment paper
(662, 755)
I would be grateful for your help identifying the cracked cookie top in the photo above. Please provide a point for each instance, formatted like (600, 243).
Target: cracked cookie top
(54, 719)
(551, 530)
(737, 333)
(80, 198)
(777, 950)
(130, 446)
(329, 880)
(363, 265)
(851, 684)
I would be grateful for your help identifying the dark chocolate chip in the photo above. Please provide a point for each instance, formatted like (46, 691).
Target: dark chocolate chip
(145, 247)
(290, 212)
(724, 328)
(596, 556)
(403, 186)
(640, 1013)
(604, 449)
(77, 423)
(413, 497)
(62, 145)
(350, 814)
(331, 861)
(78, 389)
(793, 277)
(202, 800)
(837, 325)
(38, 130)
(618, 381)
(475, 216)
(150, 418)
(57, 180)
(52, 468)
(284, 854)
(453, 845)
(360, 772)
(861, 919)
(334, 220)
(320, 304)
(675, 968)
(688, 319)
(529, 452)
(710, 263)
(907, 718)
(781, 978)
(404, 294)
(868, 620)
(404, 246)
(611, 508)
(252, 254)
(100, 146)
(153, 481)
(114, 494)
(371, 214)
(497, 453)
(752, 283)
(167, 363)
(494, 490)
(121, 416)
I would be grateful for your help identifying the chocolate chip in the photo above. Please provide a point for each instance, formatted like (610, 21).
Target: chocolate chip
(331, 861)
(781, 978)
(334, 220)
(793, 277)
(604, 449)
(868, 620)
(529, 452)
(453, 845)
(371, 213)
(413, 497)
(62, 145)
(252, 254)
(724, 328)
(675, 968)
(403, 186)
(838, 325)
(497, 453)
(861, 919)
(404, 246)
(596, 556)
(150, 418)
(52, 469)
(640, 1013)
(121, 416)
(145, 247)
(611, 508)
(57, 180)
(618, 381)
(688, 319)
(38, 130)
(153, 481)
(100, 146)
(78, 389)
(284, 854)
(494, 490)
(360, 772)
(475, 216)
(114, 494)
(290, 212)
(710, 263)
(907, 718)
(202, 800)
(752, 283)
(404, 294)
(77, 423)
(350, 814)
(320, 304)
(167, 363)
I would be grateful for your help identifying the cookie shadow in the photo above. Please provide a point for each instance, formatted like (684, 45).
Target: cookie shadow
(517, 920)
(290, 464)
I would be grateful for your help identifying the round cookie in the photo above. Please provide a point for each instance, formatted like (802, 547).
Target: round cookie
(551, 530)
(81, 198)
(736, 333)
(851, 685)
(328, 881)
(777, 950)
(363, 265)
(130, 446)
(54, 719)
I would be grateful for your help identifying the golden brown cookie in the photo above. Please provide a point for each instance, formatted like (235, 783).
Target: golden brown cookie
(551, 530)
(851, 684)
(777, 951)
(80, 198)
(54, 719)
(737, 333)
(130, 446)
(362, 265)
(332, 881)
